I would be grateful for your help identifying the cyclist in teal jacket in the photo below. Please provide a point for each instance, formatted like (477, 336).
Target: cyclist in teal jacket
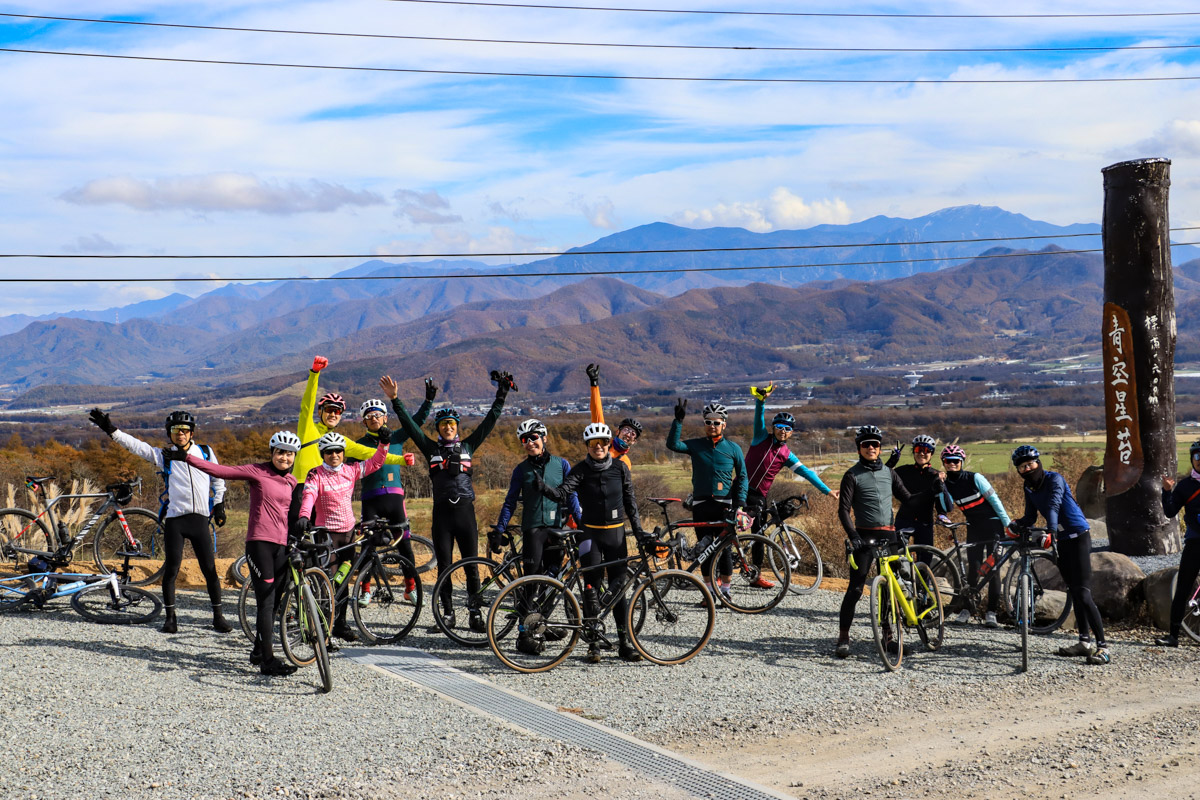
(718, 479)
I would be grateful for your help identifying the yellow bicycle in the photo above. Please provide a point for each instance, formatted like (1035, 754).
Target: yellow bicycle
(903, 595)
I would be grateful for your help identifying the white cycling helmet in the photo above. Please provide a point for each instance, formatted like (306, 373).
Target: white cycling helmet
(716, 409)
(372, 405)
(331, 441)
(597, 430)
(531, 426)
(287, 441)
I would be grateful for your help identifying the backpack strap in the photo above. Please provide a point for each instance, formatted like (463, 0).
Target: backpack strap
(163, 498)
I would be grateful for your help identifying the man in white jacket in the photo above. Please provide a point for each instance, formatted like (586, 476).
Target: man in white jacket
(192, 498)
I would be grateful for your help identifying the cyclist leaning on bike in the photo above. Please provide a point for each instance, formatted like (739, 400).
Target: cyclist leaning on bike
(1048, 494)
(192, 500)
(925, 485)
(539, 514)
(865, 511)
(1183, 496)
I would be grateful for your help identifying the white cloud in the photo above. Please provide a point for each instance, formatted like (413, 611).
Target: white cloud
(457, 240)
(219, 192)
(782, 210)
(422, 208)
(1179, 137)
(600, 213)
(94, 243)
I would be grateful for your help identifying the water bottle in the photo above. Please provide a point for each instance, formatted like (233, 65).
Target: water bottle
(341, 573)
(64, 535)
(987, 565)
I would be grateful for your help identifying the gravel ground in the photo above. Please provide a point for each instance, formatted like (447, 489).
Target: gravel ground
(130, 712)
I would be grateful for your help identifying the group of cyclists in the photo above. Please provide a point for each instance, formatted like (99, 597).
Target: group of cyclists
(310, 475)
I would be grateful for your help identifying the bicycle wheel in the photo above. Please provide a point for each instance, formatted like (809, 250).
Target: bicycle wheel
(927, 599)
(131, 605)
(148, 539)
(294, 625)
(1024, 615)
(239, 571)
(20, 528)
(423, 558)
(1047, 618)
(15, 591)
(382, 612)
(323, 592)
(314, 635)
(946, 574)
(885, 619)
(493, 578)
(546, 619)
(248, 611)
(675, 627)
(802, 555)
(754, 589)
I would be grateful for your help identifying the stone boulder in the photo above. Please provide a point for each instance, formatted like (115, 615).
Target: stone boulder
(1158, 588)
(1099, 529)
(1050, 605)
(1116, 585)
(1089, 492)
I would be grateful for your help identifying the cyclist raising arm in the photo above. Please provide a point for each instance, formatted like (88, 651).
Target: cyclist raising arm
(1184, 495)
(186, 508)
(925, 486)
(628, 432)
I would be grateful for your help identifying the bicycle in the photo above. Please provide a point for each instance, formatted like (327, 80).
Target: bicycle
(121, 529)
(669, 619)
(746, 593)
(422, 546)
(904, 598)
(493, 576)
(107, 599)
(803, 557)
(304, 621)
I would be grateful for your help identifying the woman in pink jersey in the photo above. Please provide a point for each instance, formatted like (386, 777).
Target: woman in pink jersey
(325, 501)
(271, 487)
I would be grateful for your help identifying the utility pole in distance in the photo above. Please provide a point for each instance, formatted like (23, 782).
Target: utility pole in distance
(1139, 356)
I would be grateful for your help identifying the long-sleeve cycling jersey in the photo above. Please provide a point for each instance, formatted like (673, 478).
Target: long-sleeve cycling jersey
(605, 491)
(387, 480)
(597, 409)
(767, 456)
(188, 491)
(328, 492)
(975, 497)
(928, 493)
(1053, 499)
(537, 510)
(718, 470)
(449, 462)
(310, 430)
(270, 496)
(1185, 497)
(867, 490)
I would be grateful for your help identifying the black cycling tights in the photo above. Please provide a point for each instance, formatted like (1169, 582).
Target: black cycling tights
(596, 546)
(1075, 564)
(1189, 568)
(267, 564)
(858, 580)
(712, 511)
(455, 522)
(192, 528)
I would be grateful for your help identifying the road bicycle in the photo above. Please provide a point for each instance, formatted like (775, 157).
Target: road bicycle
(423, 560)
(107, 598)
(119, 530)
(803, 557)
(1191, 616)
(537, 620)
(904, 595)
(754, 588)
(307, 613)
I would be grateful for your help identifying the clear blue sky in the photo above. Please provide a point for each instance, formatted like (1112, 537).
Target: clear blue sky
(100, 155)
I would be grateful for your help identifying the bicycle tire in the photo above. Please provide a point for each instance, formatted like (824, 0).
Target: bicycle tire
(1043, 566)
(387, 616)
(144, 527)
(931, 618)
(131, 607)
(324, 593)
(802, 555)
(744, 597)
(675, 627)
(532, 607)
(493, 578)
(945, 572)
(885, 615)
(1191, 617)
(1024, 615)
(292, 628)
(14, 593)
(239, 571)
(315, 632)
(423, 556)
(247, 609)
(19, 527)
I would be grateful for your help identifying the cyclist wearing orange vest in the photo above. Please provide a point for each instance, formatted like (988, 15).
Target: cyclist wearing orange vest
(628, 432)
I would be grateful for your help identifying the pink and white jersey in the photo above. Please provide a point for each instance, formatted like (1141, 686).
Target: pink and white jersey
(327, 493)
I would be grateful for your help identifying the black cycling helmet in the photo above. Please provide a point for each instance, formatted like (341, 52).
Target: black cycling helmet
(445, 413)
(630, 422)
(868, 433)
(180, 418)
(784, 418)
(1195, 448)
(1025, 452)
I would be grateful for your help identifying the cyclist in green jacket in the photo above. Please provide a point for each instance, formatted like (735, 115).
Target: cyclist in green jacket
(718, 480)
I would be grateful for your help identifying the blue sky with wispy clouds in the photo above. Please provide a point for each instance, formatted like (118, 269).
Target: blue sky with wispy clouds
(110, 156)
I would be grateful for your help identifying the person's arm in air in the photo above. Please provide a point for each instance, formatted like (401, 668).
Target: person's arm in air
(596, 407)
(795, 466)
(760, 421)
(985, 489)
(510, 499)
(306, 428)
(1173, 496)
(138, 447)
(420, 440)
(489, 421)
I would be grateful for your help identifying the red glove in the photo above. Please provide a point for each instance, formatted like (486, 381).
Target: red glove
(319, 363)
(1047, 541)
(409, 459)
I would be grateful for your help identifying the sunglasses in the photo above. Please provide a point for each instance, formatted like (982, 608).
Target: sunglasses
(714, 422)
(601, 442)
(875, 445)
(951, 460)
(783, 428)
(374, 415)
(339, 452)
(922, 448)
(331, 410)
(179, 428)
(531, 437)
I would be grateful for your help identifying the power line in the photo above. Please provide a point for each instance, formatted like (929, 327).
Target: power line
(547, 274)
(549, 253)
(694, 79)
(803, 13)
(463, 40)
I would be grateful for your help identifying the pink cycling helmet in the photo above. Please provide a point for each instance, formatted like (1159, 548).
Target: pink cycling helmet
(953, 452)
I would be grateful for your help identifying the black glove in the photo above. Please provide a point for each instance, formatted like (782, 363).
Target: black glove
(218, 515)
(302, 525)
(174, 454)
(593, 373)
(495, 540)
(898, 449)
(680, 409)
(538, 483)
(101, 421)
(384, 434)
(431, 389)
(645, 537)
(856, 543)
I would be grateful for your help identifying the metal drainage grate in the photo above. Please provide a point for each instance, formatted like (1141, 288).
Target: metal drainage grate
(516, 709)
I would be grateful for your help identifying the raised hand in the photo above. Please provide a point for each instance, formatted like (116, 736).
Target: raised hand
(319, 363)
(680, 408)
(389, 386)
(102, 421)
(431, 389)
(593, 373)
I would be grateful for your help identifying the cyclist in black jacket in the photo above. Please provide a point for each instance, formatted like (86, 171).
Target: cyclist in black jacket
(1183, 496)
(926, 487)
(604, 487)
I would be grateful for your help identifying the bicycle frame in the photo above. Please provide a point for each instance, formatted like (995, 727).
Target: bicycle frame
(64, 543)
(884, 561)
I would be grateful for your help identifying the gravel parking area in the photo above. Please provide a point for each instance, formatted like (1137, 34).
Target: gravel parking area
(130, 712)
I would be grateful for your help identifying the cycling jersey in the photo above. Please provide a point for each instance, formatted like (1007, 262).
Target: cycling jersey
(188, 491)
(867, 490)
(975, 497)
(767, 456)
(605, 491)
(328, 492)
(1053, 499)
(1185, 497)
(270, 496)
(449, 461)
(537, 510)
(387, 480)
(597, 409)
(718, 470)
